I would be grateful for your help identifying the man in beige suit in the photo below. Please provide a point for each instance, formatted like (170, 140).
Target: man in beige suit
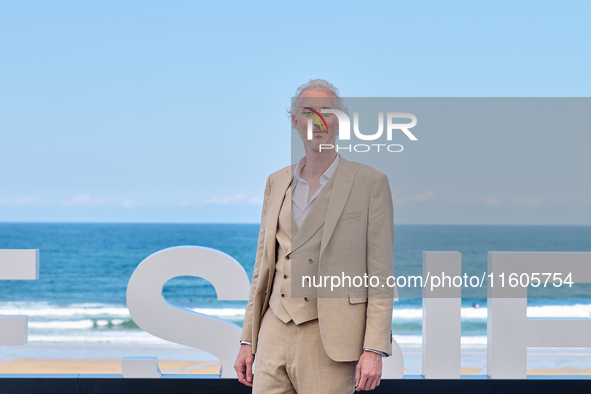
(326, 217)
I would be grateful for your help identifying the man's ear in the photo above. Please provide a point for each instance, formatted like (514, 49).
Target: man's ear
(294, 122)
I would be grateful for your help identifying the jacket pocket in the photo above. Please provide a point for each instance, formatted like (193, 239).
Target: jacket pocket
(357, 297)
(349, 215)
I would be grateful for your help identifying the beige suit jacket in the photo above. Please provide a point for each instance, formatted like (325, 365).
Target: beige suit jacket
(357, 238)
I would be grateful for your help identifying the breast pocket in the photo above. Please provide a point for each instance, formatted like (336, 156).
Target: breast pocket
(349, 215)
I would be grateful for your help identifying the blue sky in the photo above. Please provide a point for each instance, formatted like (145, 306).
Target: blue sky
(154, 111)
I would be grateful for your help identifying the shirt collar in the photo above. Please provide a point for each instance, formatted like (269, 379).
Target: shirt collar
(324, 177)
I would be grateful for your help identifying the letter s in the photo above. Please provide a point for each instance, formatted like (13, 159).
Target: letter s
(152, 313)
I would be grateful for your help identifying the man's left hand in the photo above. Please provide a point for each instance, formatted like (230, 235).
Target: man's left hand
(369, 371)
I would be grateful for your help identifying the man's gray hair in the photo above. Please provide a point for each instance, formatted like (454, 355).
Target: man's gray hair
(316, 84)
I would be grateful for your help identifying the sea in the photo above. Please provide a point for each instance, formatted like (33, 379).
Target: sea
(80, 296)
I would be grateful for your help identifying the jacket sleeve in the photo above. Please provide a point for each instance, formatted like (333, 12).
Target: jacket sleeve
(247, 326)
(380, 245)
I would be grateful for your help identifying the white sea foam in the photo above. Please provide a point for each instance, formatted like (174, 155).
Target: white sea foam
(563, 311)
(407, 313)
(66, 324)
(578, 310)
(46, 310)
(140, 337)
(144, 338)
(120, 313)
(221, 312)
(467, 341)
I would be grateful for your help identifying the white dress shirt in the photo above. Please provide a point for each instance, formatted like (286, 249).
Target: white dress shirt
(300, 206)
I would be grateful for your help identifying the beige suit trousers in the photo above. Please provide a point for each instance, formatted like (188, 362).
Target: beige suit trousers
(291, 359)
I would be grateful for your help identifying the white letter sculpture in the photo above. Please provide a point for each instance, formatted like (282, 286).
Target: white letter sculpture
(509, 330)
(17, 264)
(442, 320)
(151, 312)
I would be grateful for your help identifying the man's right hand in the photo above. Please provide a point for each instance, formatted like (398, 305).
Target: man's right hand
(243, 365)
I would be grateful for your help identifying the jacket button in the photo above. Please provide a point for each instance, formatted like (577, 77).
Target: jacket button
(287, 257)
(283, 295)
(265, 292)
(310, 261)
(306, 298)
(284, 276)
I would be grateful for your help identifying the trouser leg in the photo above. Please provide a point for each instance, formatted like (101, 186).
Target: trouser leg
(270, 374)
(310, 369)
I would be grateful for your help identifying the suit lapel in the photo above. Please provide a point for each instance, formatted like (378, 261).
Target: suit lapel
(276, 198)
(344, 178)
(327, 208)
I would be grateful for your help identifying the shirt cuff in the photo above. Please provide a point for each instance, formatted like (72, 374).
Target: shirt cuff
(377, 351)
(246, 343)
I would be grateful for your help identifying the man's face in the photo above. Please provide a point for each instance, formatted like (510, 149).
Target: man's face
(308, 102)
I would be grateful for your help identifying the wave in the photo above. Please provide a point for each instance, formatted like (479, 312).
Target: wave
(466, 341)
(46, 310)
(46, 319)
(560, 311)
(145, 338)
(83, 324)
